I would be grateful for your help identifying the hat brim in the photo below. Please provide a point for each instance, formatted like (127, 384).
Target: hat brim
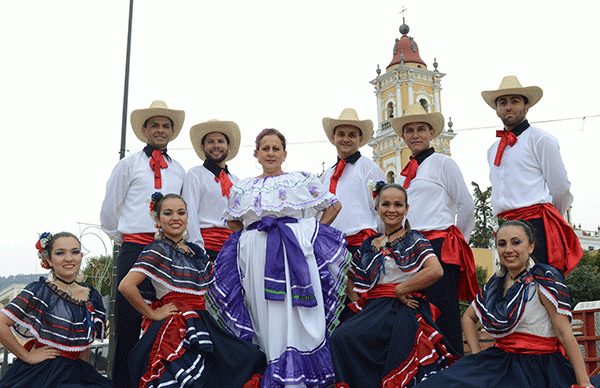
(435, 119)
(366, 127)
(228, 128)
(138, 118)
(533, 94)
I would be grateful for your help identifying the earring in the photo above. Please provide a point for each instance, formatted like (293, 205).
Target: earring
(286, 165)
(258, 166)
(158, 234)
(51, 275)
(80, 276)
(185, 235)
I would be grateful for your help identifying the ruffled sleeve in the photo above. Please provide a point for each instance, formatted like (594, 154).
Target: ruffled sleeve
(553, 287)
(366, 265)
(174, 269)
(97, 313)
(296, 190)
(44, 313)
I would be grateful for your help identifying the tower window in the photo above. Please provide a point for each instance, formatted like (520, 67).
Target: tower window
(390, 177)
(390, 110)
(424, 104)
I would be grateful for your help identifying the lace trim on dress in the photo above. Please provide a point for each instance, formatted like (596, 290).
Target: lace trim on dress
(62, 294)
(179, 249)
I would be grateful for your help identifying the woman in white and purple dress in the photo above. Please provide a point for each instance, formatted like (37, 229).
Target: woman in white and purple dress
(526, 309)
(280, 278)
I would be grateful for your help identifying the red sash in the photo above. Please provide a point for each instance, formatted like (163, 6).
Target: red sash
(455, 250)
(139, 238)
(64, 353)
(386, 291)
(564, 249)
(214, 238)
(357, 239)
(524, 343)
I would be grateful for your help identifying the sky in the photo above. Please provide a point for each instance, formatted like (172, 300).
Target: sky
(266, 64)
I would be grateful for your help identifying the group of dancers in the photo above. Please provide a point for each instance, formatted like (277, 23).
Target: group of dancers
(291, 280)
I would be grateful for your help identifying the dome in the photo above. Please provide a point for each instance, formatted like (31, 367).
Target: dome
(407, 47)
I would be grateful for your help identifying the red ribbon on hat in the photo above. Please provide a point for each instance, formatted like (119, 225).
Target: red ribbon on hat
(409, 171)
(339, 170)
(507, 138)
(156, 163)
(226, 184)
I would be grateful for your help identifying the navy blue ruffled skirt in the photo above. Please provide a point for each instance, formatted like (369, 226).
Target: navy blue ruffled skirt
(496, 368)
(59, 372)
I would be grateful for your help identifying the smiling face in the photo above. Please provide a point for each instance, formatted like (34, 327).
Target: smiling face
(346, 139)
(392, 208)
(514, 248)
(512, 110)
(65, 258)
(417, 137)
(271, 154)
(216, 148)
(172, 218)
(159, 131)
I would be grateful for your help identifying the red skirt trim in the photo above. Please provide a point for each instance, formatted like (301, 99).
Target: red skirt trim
(427, 350)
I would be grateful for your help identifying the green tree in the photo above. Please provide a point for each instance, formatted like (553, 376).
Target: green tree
(482, 275)
(483, 234)
(583, 281)
(98, 273)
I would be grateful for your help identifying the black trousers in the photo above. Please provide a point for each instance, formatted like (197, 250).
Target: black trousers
(443, 294)
(128, 320)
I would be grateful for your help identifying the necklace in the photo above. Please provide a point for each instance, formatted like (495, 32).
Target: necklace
(387, 235)
(68, 290)
(516, 277)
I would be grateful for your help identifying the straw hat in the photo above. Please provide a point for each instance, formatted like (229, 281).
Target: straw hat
(511, 85)
(415, 113)
(157, 108)
(228, 128)
(349, 117)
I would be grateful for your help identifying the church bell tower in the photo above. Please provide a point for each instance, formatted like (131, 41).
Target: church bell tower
(406, 81)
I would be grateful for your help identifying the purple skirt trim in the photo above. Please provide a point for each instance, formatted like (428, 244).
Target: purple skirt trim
(225, 298)
(333, 260)
(313, 368)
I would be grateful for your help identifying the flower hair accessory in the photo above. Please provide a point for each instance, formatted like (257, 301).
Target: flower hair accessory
(41, 245)
(157, 196)
(375, 187)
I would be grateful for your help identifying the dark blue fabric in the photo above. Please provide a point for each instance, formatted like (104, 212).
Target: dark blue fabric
(229, 363)
(60, 372)
(495, 368)
(370, 345)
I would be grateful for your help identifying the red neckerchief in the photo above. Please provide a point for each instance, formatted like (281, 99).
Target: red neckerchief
(156, 163)
(226, 184)
(508, 138)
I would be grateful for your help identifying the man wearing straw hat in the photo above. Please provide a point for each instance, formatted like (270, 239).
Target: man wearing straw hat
(529, 180)
(348, 180)
(124, 214)
(441, 208)
(206, 187)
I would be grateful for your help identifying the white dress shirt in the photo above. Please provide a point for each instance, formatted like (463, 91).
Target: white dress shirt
(205, 202)
(358, 210)
(531, 172)
(438, 197)
(125, 209)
